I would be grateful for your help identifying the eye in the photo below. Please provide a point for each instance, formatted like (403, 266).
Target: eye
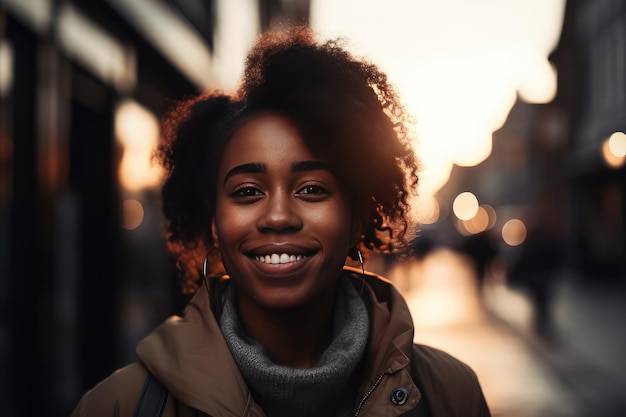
(312, 189)
(313, 192)
(246, 192)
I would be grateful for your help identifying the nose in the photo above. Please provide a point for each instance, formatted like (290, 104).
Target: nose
(279, 214)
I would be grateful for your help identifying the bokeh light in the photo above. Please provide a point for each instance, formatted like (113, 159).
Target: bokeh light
(617, 143)
(428, 210)
(465, 205)
(614, 150)
(491, 213)
(514, 232)
(132, 214)
(478, 223)
(137, 130)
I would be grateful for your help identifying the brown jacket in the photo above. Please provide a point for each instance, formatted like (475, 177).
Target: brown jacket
(189, 356)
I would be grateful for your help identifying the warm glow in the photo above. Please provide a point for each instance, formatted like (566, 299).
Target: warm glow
(491, 213)
(137, 130)
(465, 206)
(427, 210)
(617, 144)
(514, 232)
(444, 290)
(132, 214)
(478, 223)
(237, 26)
(538, 85)
(610, 157)
(458, 66)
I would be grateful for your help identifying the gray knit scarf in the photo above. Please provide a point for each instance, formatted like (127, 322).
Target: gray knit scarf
(326, 390)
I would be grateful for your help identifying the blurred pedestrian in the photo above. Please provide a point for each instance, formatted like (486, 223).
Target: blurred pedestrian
(535, 270)
(267, 192)
(481, 251)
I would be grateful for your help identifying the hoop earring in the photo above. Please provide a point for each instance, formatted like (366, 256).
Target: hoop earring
(205, 267)
(360, 257)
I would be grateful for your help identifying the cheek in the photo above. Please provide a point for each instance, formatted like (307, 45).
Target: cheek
(335, 221)
(232, 224)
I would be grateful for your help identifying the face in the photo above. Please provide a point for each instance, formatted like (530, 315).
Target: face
(282, 223)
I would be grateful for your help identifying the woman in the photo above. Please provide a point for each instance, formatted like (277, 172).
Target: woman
(267, 193)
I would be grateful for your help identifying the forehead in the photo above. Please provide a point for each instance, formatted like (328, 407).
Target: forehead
(266, 138)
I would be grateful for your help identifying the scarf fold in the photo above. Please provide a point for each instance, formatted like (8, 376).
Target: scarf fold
(325, 389)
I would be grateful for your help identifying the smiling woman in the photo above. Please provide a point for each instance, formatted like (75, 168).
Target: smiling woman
(279, 201)
(271, 191)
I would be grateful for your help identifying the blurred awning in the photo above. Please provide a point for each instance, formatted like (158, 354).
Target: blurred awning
(172, 35)
(162, 24)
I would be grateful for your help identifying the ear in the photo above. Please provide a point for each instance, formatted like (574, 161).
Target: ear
(216, 242)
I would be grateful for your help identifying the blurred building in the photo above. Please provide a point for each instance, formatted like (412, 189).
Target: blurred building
(84, 271)
(591, 63)
(83, 264)
(551, 166)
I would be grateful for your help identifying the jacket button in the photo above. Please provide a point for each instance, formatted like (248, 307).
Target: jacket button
(399, 396)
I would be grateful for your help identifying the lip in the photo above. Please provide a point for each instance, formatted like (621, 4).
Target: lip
(280, 248)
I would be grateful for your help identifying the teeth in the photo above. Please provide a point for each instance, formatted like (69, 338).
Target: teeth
(276, 258)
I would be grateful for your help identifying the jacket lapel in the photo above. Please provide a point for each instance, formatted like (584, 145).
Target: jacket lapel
(388, 357)
(192, 359)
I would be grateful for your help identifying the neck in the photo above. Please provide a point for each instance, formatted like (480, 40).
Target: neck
(326, 388)
(295, 338)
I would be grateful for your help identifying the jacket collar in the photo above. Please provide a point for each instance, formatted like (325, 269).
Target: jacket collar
(389, 350)
(192, 360)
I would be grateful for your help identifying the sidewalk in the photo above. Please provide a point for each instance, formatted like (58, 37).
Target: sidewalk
(587, 349)
(520, 376)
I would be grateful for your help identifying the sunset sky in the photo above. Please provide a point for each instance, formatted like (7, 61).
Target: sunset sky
(457, 64)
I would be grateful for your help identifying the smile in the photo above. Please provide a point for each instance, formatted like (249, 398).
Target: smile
(283, 258)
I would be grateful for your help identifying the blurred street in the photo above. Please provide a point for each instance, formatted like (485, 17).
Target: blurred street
(578, 371)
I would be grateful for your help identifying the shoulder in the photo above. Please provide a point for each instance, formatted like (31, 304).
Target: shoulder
(117, 395)
(437, 362)
(447, 382)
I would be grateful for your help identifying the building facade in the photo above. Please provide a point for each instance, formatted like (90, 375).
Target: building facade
(80, 284)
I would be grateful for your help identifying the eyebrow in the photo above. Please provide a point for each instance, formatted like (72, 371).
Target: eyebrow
(310, 166)
(259, 168)
(251, 168)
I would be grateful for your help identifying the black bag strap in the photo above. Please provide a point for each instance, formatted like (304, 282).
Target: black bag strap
(152, 398)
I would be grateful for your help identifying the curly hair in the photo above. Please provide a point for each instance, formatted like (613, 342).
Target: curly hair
(344, 108)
